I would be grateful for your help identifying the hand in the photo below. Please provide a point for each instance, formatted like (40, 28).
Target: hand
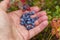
(11, 23)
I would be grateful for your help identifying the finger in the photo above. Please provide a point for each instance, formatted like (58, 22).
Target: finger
(38, 29)
(5, 26)
(35, 8)
(41, 19)
(39, 14)
(3, 14)
(4, 4)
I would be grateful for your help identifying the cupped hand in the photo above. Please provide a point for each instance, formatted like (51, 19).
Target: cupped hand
(10, 23)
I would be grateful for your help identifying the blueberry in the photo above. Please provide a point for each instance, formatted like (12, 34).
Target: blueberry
(26, 19)
(22, 19)
(24, 7)
(32, 27)
(27, 13)
(33, 24)
(22, 23)
(28, 16)
(32, 12)
(32, 20)
(23, 16)
(28, 27)
(29, 22)
(35, 18)
(29, 19)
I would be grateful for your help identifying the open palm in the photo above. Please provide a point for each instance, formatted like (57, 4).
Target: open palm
(19, 31)
(41, 23)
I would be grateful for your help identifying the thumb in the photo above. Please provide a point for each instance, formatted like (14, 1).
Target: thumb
(5, 27)
(4, 4)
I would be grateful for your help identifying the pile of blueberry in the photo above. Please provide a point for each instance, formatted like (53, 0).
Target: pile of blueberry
(27, 21)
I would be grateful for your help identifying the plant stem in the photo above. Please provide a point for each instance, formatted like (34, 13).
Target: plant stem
(50, 37)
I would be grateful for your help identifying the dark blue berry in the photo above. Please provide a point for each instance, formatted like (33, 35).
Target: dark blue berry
(24, 7)
(33, 12)
(33, 24)
(22, 19)
(26, 19)
(32, 27)
(29, 22)
(27, 14)
(28, 27)
(22, 23)
(29, 19)
(23, 16)
(32, 20)
(35, 18)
